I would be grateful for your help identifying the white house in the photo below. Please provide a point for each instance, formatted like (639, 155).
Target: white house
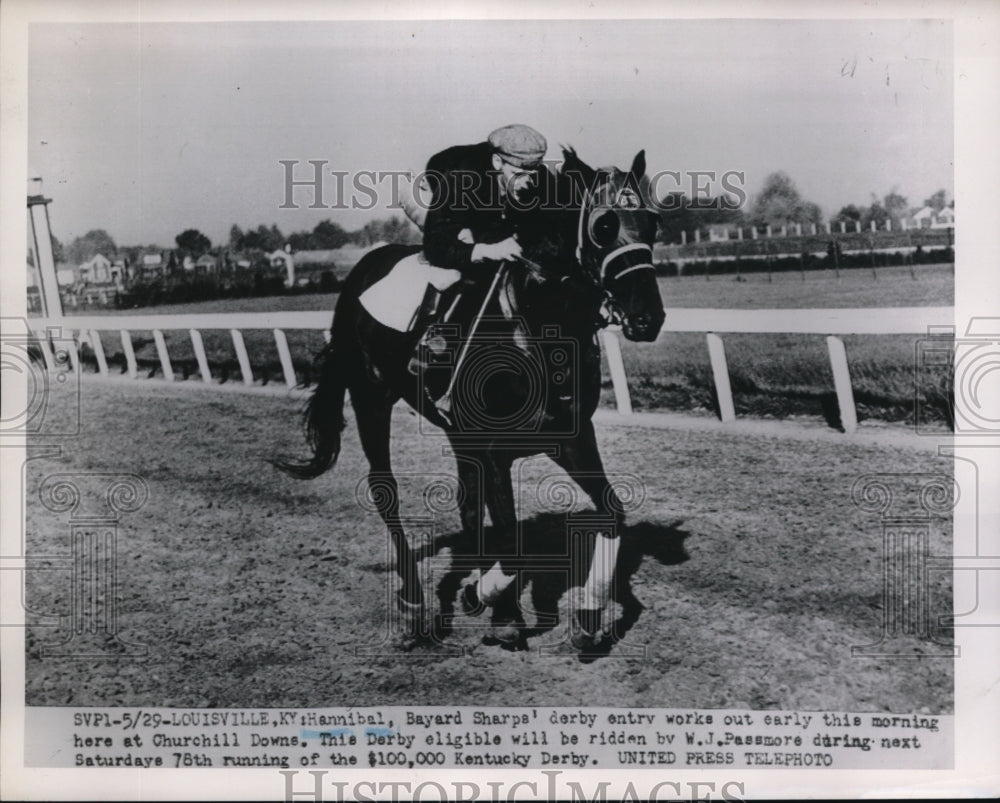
(284, 259)
(206, 264)
(926, 217)
(718, 232)
(95, 270)
(945, 219)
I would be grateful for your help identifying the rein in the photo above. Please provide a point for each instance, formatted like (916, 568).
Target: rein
(610, 314)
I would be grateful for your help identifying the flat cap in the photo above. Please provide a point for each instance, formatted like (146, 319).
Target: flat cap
(520, 145)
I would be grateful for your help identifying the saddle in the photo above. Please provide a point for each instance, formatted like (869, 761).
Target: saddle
(408, 297)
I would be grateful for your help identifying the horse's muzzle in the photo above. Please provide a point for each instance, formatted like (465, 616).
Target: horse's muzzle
(642, 327)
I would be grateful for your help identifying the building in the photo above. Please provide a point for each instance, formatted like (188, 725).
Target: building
(153, 266)
(283, 260)
(96, 270)
(926, 217)
(206, 263)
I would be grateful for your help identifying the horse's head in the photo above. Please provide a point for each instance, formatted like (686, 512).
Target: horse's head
(615, 242)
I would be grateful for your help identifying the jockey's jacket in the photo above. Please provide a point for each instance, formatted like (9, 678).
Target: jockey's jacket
(466, 195)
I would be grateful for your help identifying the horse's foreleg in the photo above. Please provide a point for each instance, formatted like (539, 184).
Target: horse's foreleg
(470, 476)
(581, 459)
(374, 423)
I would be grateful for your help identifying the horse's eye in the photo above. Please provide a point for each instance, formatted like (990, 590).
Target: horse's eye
(604, 228)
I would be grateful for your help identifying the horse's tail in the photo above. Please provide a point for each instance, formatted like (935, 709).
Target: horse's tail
(323, 418)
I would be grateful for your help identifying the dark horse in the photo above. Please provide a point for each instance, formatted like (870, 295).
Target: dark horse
(529, 380)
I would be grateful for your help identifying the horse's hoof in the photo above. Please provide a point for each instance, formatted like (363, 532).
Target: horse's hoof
(586, 642)
(585, 632)
(442, 627)
(507, 637)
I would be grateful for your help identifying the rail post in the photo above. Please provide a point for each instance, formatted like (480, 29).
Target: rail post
(616, 366)
(720, 372)
(842, 384)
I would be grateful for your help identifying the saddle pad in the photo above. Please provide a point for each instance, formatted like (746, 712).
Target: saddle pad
(393, 300)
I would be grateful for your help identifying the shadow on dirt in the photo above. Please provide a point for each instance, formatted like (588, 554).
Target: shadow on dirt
(544, 559)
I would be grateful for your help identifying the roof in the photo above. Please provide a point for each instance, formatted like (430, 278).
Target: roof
(317, 257)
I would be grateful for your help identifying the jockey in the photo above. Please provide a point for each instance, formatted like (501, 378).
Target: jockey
(470, 225)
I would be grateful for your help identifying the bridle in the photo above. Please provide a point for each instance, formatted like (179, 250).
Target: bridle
(638, 256)
(611, 312)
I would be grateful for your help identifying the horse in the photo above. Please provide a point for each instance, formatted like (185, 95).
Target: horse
(529, 382)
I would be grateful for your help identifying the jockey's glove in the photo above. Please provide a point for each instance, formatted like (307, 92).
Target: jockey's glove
(496, 252)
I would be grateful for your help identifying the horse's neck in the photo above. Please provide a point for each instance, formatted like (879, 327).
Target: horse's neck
(529, 321)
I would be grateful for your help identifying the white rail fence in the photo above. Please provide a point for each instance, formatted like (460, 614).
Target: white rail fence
(71, 332)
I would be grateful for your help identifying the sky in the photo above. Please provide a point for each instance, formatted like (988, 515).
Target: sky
(145, 130)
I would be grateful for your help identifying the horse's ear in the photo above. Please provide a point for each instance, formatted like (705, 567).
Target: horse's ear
(577, 170)
(639, 164)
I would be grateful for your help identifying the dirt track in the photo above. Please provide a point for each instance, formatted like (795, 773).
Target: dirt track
(755, 571)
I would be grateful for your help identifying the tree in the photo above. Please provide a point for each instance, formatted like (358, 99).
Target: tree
(877, 214)
(675, 217)
(398, 230)
(301, 241)
(193, 242)
(896, 206)
(263, 238)
(937, 201)
(58, 252)
(848, 214)
(779, 204)
(235, 237)
(94, 242)
(328, 234)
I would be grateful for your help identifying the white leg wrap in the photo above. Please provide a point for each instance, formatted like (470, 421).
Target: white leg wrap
(598, 586)
(493, 583)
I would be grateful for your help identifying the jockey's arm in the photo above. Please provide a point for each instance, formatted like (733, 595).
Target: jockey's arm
(447, 243)
(443, 245)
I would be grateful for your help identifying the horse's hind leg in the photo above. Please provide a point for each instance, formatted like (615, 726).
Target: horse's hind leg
(374, 416)
(497, 587)
(467, 547)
